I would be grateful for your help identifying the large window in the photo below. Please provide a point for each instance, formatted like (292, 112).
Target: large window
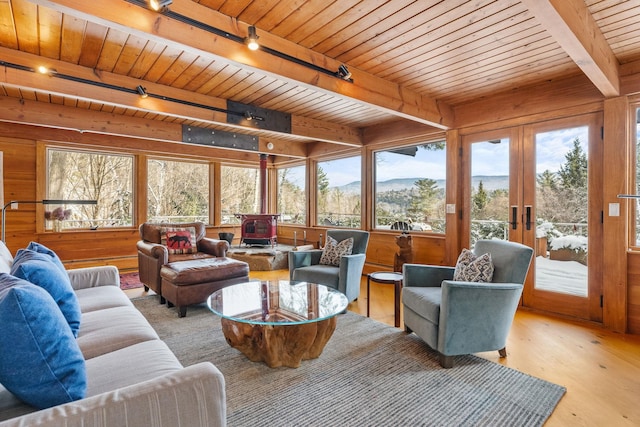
(339, 192)
(637, 201)
(410, 188)
(84, 175)
(292, 200)
(240, 192)
(177, 191)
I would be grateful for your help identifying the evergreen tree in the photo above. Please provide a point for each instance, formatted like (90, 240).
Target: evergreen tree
(573, 173)
(423, 200)
(481, 198)
(547, 179)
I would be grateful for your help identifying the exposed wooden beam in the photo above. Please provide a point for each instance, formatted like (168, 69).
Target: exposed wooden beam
(366, 88)
(303, 129)
(400, 131)
(528, 104)
(572, 26)
(96, 122)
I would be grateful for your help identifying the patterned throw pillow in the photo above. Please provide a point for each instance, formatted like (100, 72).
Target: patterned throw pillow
(472, 268)
(334, 250)
(179, 240)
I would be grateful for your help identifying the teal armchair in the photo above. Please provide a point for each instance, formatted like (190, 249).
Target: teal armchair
(456, 317)
(305, 265)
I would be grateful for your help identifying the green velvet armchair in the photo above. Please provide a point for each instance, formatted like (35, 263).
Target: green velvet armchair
(305, 265)
(455, 317)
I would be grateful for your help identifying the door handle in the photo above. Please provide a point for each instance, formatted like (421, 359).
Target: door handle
(528, 215)
(514, 217)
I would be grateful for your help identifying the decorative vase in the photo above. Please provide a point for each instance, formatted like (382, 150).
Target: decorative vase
(57, 225)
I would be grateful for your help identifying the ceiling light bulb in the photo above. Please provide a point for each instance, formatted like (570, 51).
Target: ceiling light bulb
(252, 39)
(159, 5)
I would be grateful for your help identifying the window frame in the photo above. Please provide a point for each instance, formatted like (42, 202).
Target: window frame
(316, 211)
(44, 189)
(374, 185)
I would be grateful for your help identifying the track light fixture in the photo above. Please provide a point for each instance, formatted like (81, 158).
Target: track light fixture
(344, 73)
(142, 92)
(252, 39)
(250, 116)
(45, 70)
(160, 5)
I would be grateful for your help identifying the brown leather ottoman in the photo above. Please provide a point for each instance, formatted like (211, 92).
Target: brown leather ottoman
(192, 281)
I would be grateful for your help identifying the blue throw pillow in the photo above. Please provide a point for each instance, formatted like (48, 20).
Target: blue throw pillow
(40, 270)
(42, 249)
(40, 361)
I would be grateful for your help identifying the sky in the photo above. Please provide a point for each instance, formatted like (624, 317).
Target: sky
(487, 159)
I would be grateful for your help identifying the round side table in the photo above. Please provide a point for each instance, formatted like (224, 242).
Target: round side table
(391, 278)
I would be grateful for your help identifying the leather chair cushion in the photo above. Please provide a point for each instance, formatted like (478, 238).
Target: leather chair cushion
(203, 270)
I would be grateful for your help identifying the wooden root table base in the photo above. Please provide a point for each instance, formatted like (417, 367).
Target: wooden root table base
(285, 345)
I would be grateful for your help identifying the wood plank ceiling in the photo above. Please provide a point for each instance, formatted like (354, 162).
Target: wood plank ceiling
(410, 59)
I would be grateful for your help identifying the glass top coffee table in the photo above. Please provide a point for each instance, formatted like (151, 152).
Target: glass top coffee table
(278, 322)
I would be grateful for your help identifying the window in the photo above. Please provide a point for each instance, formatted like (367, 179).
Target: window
(637, 176)
(84, 175)
(292, 200)
(240, 189)
(177, 191)
(339, 192)
(410, 188)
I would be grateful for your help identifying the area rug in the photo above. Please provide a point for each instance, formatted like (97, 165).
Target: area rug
(130, 281)
(369, 374)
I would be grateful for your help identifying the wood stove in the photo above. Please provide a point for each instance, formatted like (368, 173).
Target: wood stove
(258, 229)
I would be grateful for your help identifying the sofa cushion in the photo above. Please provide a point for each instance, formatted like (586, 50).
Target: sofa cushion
(42, 249)
(179, 240)
(104, 331)
(41, 270)
(333, 250)
(130, 365)
(101, 297)
(473, 268)
(40, 361)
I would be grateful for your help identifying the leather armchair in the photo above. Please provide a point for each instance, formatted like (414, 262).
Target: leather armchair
(455, 317)
(152, 254)
(305, 265)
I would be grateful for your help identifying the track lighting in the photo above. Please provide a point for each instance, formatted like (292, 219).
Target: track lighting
(142, 92)
(250, 116)
(159, 5)
(343, 72)
(252, 39)
(44, 70)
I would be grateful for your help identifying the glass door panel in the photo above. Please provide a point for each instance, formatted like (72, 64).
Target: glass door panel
(562, 211)
(491, 210)
(562, 161)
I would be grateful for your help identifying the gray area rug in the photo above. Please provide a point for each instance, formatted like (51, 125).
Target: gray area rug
(369, 374)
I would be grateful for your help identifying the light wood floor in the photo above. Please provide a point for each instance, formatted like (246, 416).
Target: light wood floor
(599, 368)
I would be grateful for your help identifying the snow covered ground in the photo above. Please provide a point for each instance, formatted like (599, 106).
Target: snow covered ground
(568, 277)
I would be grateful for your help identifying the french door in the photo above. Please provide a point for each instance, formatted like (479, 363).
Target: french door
(531, 184)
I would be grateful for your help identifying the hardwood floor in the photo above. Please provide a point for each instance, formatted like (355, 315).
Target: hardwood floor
(599, 368)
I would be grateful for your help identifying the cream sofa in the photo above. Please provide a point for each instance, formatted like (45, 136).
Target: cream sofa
(132, 377)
